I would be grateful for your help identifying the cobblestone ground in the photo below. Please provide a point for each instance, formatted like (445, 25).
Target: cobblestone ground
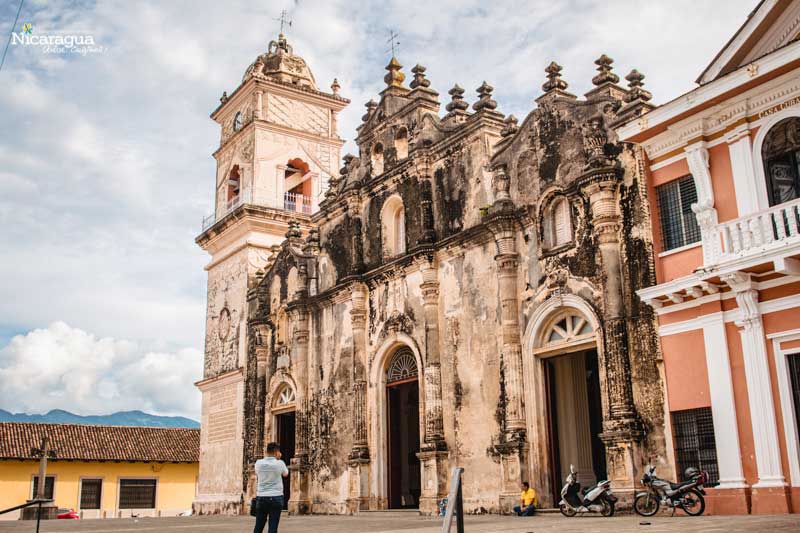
(404, 522)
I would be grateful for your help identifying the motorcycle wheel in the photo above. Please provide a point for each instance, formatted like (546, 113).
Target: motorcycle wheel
(608, 508)
(693, 503)
(567, 511)
(646, 504)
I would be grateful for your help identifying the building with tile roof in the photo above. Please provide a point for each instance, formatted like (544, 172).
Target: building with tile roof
(101, 471)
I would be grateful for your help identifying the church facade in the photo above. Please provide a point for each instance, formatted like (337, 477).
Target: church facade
(461, 293)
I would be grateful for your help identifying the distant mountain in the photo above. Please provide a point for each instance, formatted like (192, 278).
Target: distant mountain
(122, 418)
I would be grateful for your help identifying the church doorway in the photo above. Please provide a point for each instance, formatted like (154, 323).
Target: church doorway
(575, 419)
(402, 396)
(284, 413)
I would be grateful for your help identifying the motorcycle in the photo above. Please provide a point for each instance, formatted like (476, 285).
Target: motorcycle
(596, 499)
(687, 495)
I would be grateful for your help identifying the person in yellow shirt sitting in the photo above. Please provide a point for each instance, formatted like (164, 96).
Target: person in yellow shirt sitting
(528, 501)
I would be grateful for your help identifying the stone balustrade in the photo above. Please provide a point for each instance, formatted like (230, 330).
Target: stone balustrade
(754, 234)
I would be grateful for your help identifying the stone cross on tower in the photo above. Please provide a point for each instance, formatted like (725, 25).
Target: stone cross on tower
(284, 20)
(393, 42)
(43, 452)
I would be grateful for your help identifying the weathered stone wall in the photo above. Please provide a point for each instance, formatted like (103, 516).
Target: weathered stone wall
(469, 296)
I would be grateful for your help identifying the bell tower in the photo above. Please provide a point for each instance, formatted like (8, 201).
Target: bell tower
(278, 148)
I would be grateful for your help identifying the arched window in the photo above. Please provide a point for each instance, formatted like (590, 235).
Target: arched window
(401, 144)
(568, 329)
(780, 153)
(393, 226)
(557, 224)
(285, 398)
(402, 366)
(377, 159)
(298, 184)
(233, 184)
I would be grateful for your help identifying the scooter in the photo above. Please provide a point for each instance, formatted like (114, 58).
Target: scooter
(596, 499)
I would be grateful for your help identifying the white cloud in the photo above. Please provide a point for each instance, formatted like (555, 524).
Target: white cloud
(61, 367)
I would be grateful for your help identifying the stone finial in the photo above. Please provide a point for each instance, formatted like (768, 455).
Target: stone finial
(294, 230)
(419, 77)
(554, 81)
(635, 90)
(485, 98)
(371, 106)
(510, 126)
(394, 78)
(604, 68)
(313, 237)
(457, 103)
(224, 97)
(335, 86)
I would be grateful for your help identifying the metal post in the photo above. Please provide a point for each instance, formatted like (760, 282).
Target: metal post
(454, 503)
(39, 512)
(459, 510)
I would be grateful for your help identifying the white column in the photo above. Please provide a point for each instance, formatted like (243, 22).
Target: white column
(744, 181)
(759, 384)
(723, 407)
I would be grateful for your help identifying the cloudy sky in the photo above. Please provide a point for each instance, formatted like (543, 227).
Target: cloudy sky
(106, 167)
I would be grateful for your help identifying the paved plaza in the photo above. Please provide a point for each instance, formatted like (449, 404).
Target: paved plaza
(405, 522)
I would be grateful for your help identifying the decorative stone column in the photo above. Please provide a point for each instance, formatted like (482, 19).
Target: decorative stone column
(512, 445)
(359, 459)
(299, 502)
(433, 452)
(262, 333)
(426, 211)
(759, 391)
(621, 426)
(357, 244)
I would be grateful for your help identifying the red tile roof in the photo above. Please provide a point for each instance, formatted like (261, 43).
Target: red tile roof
(101, 443)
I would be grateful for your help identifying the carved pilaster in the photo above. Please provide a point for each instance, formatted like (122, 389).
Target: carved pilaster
(359, 458)
(257, 112)
(299, 502)
(434, 480)
(426, 211)
(621, 426)
(707, 220)
(503, 228)
(759, 382)
(434, 423)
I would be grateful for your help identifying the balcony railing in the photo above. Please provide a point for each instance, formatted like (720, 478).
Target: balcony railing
(298, 203)
(758, 233)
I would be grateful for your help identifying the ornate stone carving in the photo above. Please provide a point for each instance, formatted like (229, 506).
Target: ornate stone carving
(485, 98)
(457, 103)
(595, 139)
(604, 68)
(419, 77)
(394, 78)
(635, 90)
(510, 126)
(554, 81)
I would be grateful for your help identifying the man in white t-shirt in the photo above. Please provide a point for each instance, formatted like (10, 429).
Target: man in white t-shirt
(270, 472)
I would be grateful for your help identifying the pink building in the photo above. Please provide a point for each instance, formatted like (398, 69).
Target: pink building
(724, 178)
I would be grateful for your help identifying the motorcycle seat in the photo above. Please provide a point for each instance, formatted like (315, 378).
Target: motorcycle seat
(676, 486)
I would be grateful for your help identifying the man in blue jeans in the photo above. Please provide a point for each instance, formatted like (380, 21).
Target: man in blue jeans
(270, 472)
